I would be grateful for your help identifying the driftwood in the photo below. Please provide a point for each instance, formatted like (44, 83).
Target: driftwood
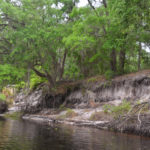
(119, 123)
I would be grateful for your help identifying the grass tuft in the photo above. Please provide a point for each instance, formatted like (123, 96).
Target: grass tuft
(70, 113)
(117, 111)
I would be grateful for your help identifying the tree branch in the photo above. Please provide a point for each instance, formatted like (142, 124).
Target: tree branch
(63, 64)
(39, 73)
(90, 3)
(50, 79)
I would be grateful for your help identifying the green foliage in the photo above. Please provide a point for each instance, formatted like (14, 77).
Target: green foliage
(2, 97)
(35, 81)
(93, 79)
(10, 74)
(71, 69)
(107, 108)
(20, 85)
(70, 113)
(121, 109)
(117, 111)
(67, 42)
(109, 74)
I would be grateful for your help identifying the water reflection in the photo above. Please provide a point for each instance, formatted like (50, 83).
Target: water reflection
(24, 135)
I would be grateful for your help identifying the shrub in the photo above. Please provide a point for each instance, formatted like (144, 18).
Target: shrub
(70, 113)
(116, 111)
(20, 85)
(2, 97)
(109, 74)
(121, 109)
(35, 81)
(107, 108)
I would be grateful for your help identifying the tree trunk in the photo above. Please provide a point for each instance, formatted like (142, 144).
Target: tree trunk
(46, 75)
(52, 82)
(28, 80)
(62, 66)
(113, 60)
(104, 3)
(139, 56)
(121, 61)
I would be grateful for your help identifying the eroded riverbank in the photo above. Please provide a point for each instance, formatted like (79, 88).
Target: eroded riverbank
(121, 104)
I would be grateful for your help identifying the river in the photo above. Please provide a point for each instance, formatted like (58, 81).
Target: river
(26, 135)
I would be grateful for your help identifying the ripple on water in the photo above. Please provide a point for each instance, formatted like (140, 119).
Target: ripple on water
(24, 135)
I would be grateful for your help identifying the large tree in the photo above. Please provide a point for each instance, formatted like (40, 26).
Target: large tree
(34, 31)
(57, 40)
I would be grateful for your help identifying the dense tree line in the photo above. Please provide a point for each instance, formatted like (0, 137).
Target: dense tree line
(57, 40)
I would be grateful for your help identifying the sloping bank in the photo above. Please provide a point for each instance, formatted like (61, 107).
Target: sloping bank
(90, 103)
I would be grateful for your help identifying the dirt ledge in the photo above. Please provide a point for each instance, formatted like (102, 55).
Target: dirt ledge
(48, 120)
(131, 126)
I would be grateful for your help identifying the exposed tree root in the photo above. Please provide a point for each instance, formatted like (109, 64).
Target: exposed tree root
(119, 123)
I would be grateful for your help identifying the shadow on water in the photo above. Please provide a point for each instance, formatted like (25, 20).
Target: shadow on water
(2, 118)
(25, 135)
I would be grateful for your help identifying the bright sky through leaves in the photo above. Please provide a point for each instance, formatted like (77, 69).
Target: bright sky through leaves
(82, 3)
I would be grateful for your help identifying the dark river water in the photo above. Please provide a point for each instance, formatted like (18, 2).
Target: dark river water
(25, 135)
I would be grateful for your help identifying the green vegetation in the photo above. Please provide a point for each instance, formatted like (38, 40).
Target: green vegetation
(35, 81)
(70, 113)
(20, 85)
(62, 108)
(2, 97)
(93, 79)
(117, 111)
(109, 111)
(109, 74)
(107, 108)
(54, 40)
(14, 116)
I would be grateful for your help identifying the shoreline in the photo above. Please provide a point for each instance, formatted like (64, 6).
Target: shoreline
(128, 128)
(48, 120)
(81, 117)
(120, 105)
